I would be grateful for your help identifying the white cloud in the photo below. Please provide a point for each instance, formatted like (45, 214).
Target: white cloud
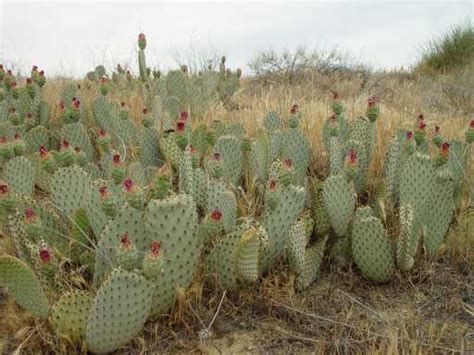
(71, 38)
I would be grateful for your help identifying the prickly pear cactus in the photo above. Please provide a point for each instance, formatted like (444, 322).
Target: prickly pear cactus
(261, 157)
(119, 311)
(296, 147)
(318, 209)
(371, 248)
(173, 222)
(224, 200)
(340, 199)
(36, 137)
(69, 315)
(23, 285)
(440, 212)
(77, 136)
(70, 188)
(277, 220)
(19, 173)
(313, 258)
(336, 155)
(231, 155)
(129, 221)
(406, 246)
(416, 189)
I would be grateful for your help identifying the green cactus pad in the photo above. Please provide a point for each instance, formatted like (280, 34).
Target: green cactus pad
(340, 199)
(70, 188)
(69, 314)
(19, 173)
(312, 261)
(173, 222)
(23, 285)
(371, 249)
(119, 311)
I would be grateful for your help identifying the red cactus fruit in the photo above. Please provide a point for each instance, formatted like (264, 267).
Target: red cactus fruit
(35, 68)
(183, 116)
(351, 157)
(409, 135)
(294, 109)
(30, 214)
(180, 126)
(122, 104)
(217, 156)
(128, 184)
(421, 117)
(4, 189)
(125, 241)
(141, 37)
(216, 215)
(444, 149)
(41, 73)
(471, 124)
(43, 151)
(335, 95)
(272, 185)
(436, 129)
(3, 140)
(102, 132)
(17, 136)
(287, 163)
(155, 248)
(65, 143)
(421, 125)
(29, 115)
(45, 254)
(145, 110)
(29, 81)
(61, 105)
(116, 159)
(77, 149)
(76, 104)
(103, 191)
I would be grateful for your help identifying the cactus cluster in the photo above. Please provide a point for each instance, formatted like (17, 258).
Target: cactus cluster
(141, 205)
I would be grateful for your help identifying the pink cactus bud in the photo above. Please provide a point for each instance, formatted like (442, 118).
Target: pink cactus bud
(41, 73)
(30, 214)
(35, 68)
(217, 156)
(76, 104)
(17, 136)
(216, 215)
(116, 159)
(288, 163)
(444, 149)
(409, 135)
(4, 189)
(125, 240)
(180, 126)
(421, 125)
(272, 185)
(155, 248)
(65, 143)
(102, 132)
(351, 157)
(183, 116)
(103, 191)
(45, 254)
(294, 109)
(29, 81)
(128, 184)
(43, 151)
(141, 37)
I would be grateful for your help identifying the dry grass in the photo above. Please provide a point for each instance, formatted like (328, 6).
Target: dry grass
(429, 310)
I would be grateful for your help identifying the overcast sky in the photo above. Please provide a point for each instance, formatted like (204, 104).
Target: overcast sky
(70, 38)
